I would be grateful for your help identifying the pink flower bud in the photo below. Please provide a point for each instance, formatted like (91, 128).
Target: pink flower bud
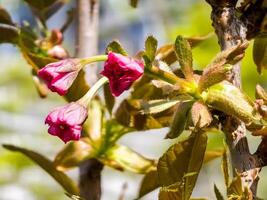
(121, 71)
(66, 121)
(60, 75)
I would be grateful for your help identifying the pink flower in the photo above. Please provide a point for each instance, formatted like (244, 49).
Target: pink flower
(66, 121)
(121, 71)
(60, 75)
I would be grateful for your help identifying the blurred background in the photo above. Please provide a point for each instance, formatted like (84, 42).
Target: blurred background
(22, 112)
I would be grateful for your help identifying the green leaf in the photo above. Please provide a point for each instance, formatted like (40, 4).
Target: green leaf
(116, 47)
(260, 52)
(179, 119)
(48, 166)
(180, 159)
(218, 193)
(230, 100)
(134, 3)
(225, 168)
(155, 106)
(109, 98)
(149, 183)
(129, 160)
(151, 45)
(73, 154)
(184, 56)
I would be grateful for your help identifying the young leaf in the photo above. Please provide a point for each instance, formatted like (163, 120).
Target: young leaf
(109, 98)
(184, 56)
(156, 106)
(116, 47)
(213, 74)
(179, 119)
(129, 160)
(200, 115)
(48, 166)
(261, 93)
(260, 52)
(73, 154)
(218, 193)
(230, 100)
(151, 45)
(149, 183)
(181, 159)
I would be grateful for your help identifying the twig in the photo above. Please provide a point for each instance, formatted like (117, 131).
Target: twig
(86, 46)
(231, 31)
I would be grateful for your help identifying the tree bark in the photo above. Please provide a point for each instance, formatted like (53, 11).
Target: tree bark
(86, 46)
(231, 31)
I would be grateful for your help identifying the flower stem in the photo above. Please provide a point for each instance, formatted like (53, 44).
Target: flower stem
(85, 100)
(169, 78)
(99, 58)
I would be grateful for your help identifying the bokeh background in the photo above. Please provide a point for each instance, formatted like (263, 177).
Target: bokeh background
(22, 112)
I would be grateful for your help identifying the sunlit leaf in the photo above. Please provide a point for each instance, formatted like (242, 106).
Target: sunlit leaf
(116, 47)
(180, 159)
(149, 183)
(48, 166)
(200, 115)
(129, 160)
(184, 56)
(151, 45)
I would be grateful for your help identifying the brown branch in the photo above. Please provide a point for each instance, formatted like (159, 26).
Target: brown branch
(87, 45)
(230, 31)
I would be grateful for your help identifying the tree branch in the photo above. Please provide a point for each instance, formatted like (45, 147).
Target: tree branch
(230, 31)
(86, 46)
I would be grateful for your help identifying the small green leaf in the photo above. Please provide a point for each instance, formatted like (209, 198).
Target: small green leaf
(230, 100)
(184, 56)
(179, 119)
(129, 160)
(48, 166)
(151, 45)
(109, 98)
(180, 159)
(156, 106)
(134, 3)
(116, 47)
(73, 154)
(149, 183)
(260, 52)
(218, 193)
